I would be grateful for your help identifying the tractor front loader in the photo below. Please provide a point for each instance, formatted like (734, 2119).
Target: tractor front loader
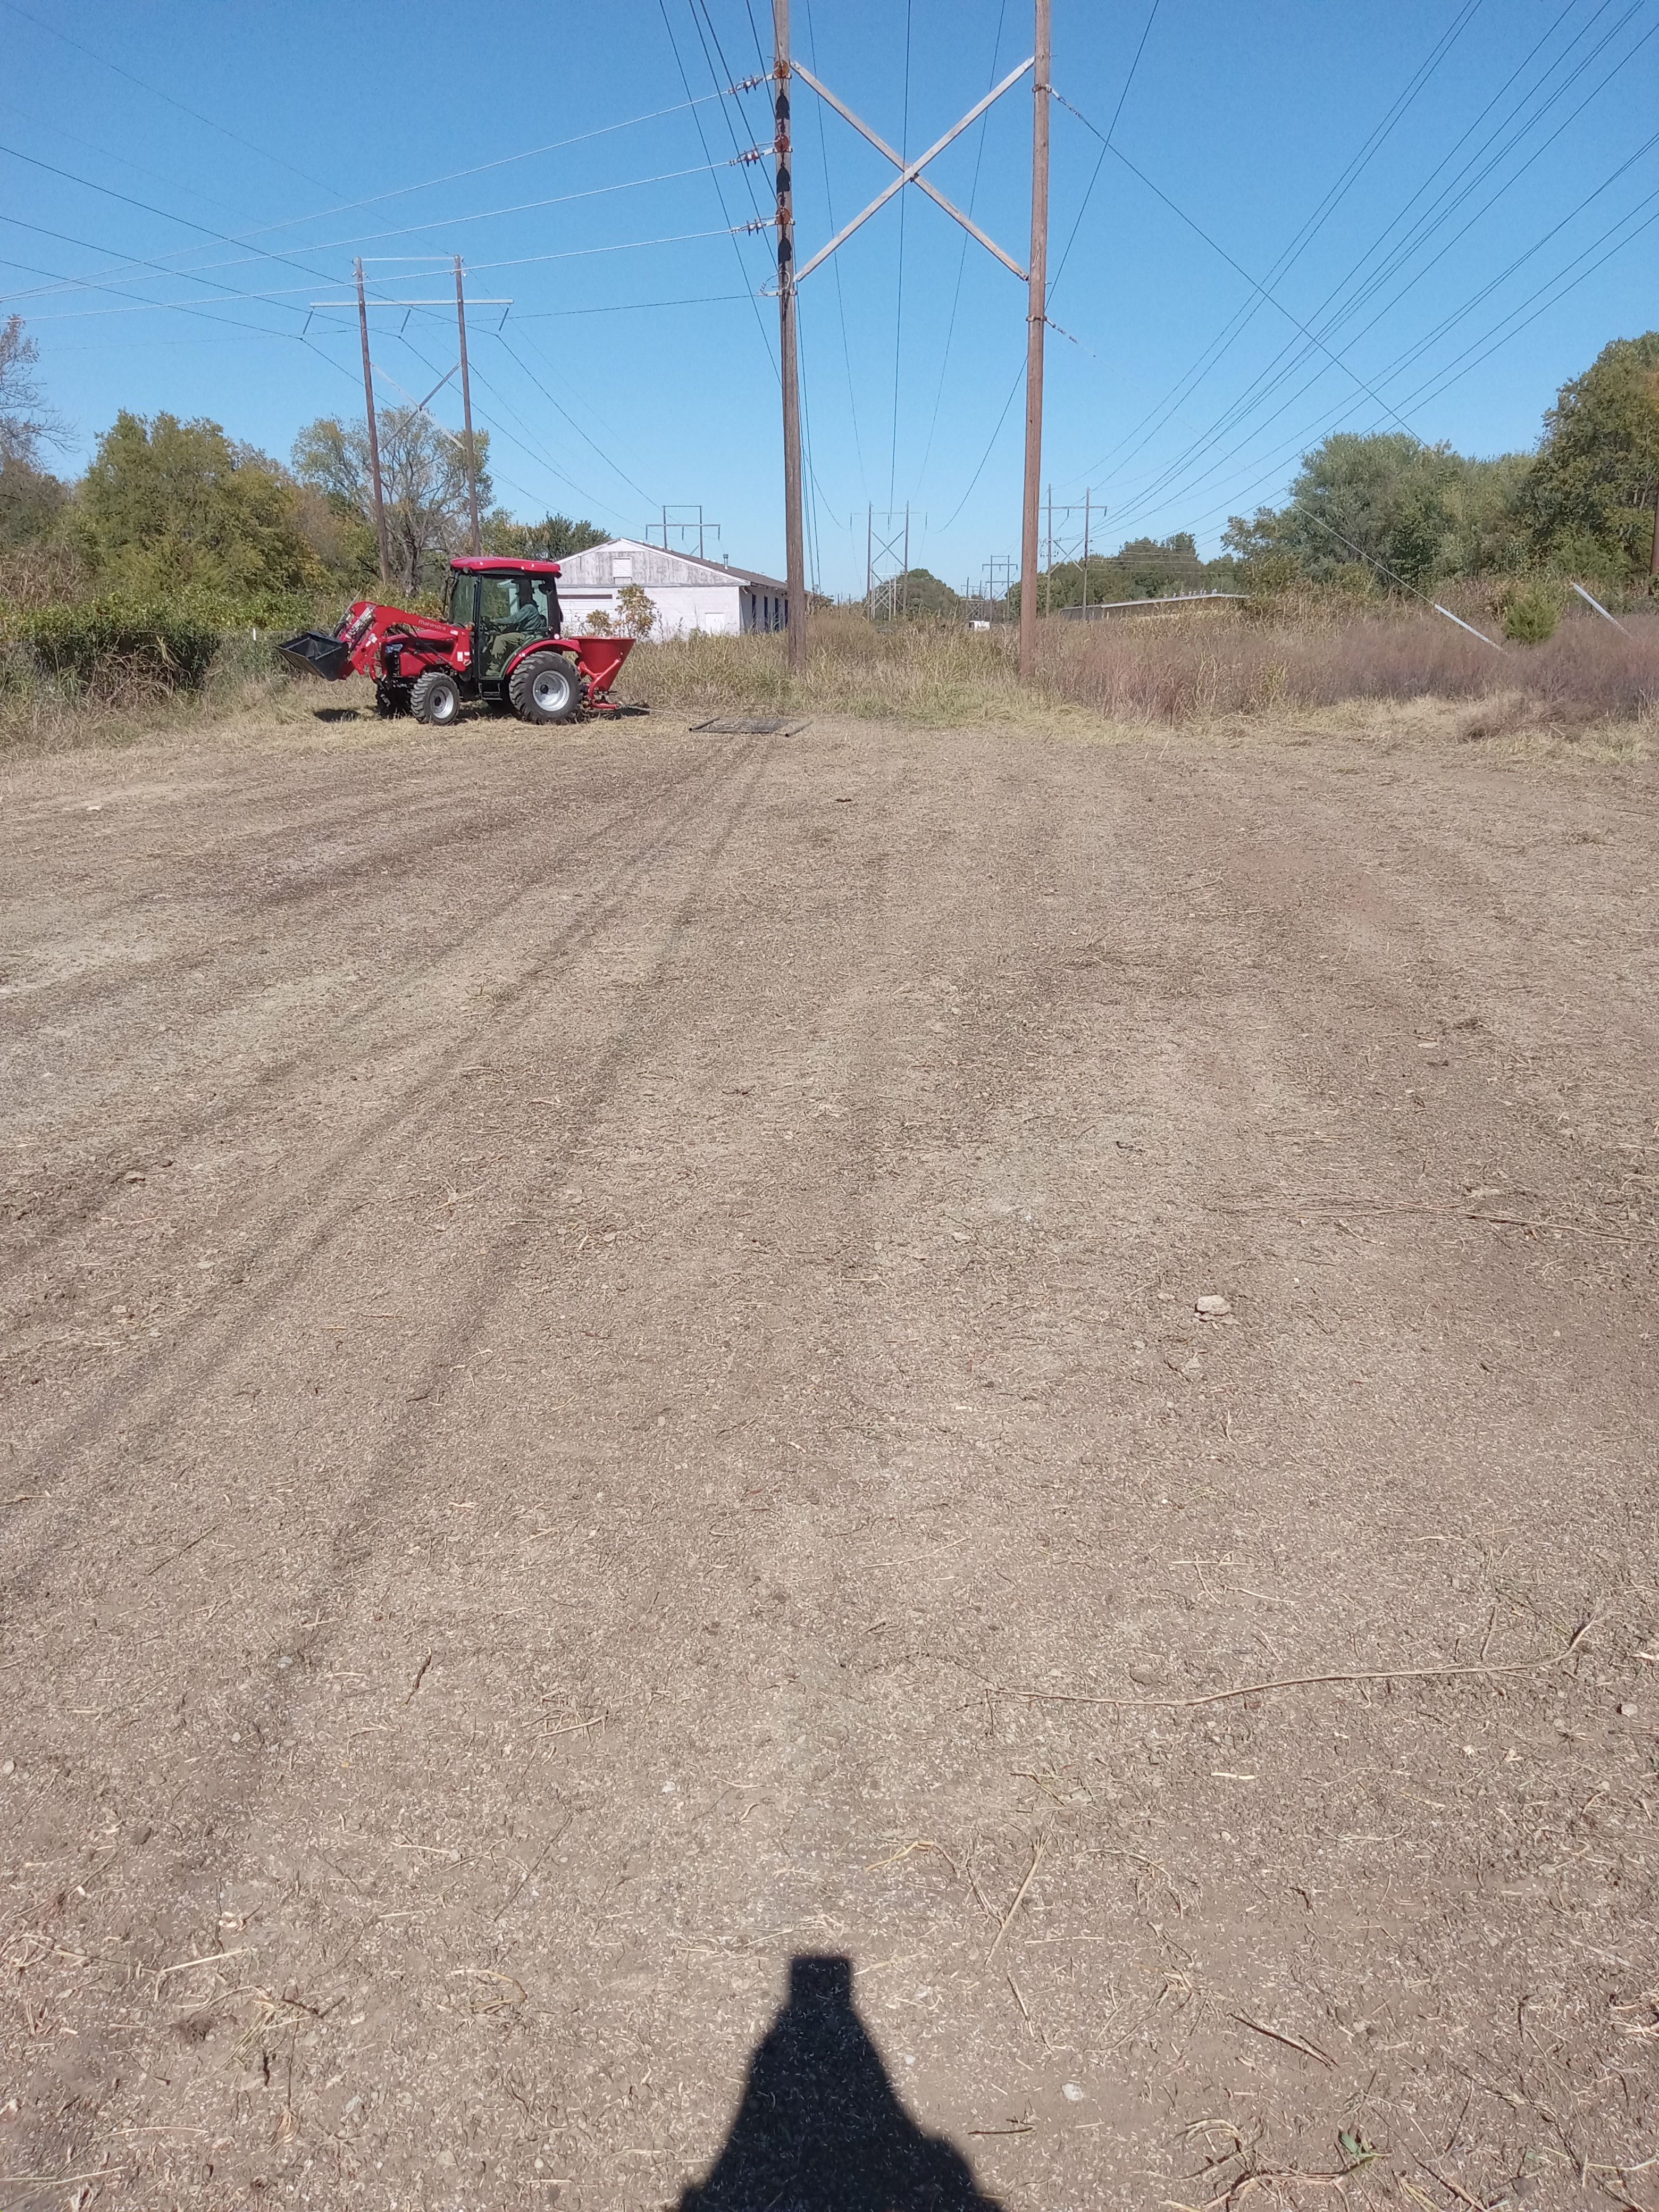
(497, 646)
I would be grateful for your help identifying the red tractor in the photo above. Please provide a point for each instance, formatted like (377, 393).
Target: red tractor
(498, 643)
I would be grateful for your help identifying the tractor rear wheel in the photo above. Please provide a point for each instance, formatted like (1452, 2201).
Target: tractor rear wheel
(545, 688)
(435, 697)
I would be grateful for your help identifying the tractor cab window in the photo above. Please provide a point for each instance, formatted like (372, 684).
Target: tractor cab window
(512, 612)
(461, 588)
(518, 603)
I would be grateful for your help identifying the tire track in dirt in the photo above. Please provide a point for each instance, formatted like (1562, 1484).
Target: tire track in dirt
(293, 1222)
(176, 1134)
(554, 1530)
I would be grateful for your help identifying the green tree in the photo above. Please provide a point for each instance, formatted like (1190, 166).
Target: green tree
(168, 507)
(550, 539)
(26, 422)
(1591, 499)
(31, 500)
(422, 480)
(1404, 512)
(1141, 569)
(917, 595)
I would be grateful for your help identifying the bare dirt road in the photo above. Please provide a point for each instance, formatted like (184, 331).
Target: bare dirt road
(626, 1555)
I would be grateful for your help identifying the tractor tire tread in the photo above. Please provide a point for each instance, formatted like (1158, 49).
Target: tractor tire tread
(521, 692)
(422, 693)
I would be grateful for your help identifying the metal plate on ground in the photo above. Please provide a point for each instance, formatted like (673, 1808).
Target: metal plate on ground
(748, 726)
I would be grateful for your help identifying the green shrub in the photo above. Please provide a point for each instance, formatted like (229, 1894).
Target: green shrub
(102, 643)
(1530, 615)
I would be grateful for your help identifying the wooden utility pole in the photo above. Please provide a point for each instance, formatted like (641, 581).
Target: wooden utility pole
(1085, 548)
(466, 412)
(373, 435)
(789, 276)
(1036, 312)
(795, 542)
(1653, 565)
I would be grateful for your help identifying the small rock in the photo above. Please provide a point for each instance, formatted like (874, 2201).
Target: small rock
(1071, 2094)
(1145, 1672)
(1212, 1306)
(1627, 1710)
(1191, 1369)
(9, 1768)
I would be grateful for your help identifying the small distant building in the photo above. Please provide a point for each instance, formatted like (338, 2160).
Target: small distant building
(688, 593)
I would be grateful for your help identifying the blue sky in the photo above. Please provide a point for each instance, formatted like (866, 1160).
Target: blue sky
(182, 180)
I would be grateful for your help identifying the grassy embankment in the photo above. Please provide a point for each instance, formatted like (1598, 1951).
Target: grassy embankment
(1589, 685)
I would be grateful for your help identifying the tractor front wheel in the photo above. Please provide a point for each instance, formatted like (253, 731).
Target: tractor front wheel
(435, 698)
(546, 689)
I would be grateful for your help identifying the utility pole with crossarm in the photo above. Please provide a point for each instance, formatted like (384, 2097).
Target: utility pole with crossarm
(1036, 312)
(790, 278)
(794, 539)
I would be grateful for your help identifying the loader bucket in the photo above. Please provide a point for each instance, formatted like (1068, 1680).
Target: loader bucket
(313, 654)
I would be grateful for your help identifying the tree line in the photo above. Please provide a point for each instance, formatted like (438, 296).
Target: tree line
(1387, 510)
(1384, 512)
(170, 510)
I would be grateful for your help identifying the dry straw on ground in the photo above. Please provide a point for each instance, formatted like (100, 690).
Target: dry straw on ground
(1590, 686)
(1171, 669)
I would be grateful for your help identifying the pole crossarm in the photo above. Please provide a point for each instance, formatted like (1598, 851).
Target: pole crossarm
(910, 171)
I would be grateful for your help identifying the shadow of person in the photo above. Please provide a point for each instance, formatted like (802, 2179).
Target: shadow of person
(820, 2129)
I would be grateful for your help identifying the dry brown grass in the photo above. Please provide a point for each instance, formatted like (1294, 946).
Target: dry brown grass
(1172, 670)
(937, 673)
(1408, 676)
(41, 714)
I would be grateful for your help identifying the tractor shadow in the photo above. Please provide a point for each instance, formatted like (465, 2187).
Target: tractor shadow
(337, 715)
(820, 2128)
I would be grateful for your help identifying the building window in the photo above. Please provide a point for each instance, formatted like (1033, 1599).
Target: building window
(622, 568)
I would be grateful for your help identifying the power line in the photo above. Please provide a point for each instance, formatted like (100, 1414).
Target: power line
(1193, 225)
(615, 466)
(628, 306)
(898, 301)
(703, 141)
(1100, 159)
(1222, 343)
(91, 146)
(995, 434)
(961, 257)
(1267, 381)
(1290, 357)
(389, 299)
(834, 265)
(201, 274)
(156, 93)
(1480, 349)
(1421, 345)
(428, 184)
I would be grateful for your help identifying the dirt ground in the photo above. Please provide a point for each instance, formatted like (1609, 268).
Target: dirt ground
(630, 1561)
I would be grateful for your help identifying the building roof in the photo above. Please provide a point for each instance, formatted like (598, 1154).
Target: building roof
(651, 565)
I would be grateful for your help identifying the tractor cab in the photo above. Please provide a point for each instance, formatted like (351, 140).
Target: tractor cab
(506, 605)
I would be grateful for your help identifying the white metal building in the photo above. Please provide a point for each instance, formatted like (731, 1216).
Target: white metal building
(688, 593)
